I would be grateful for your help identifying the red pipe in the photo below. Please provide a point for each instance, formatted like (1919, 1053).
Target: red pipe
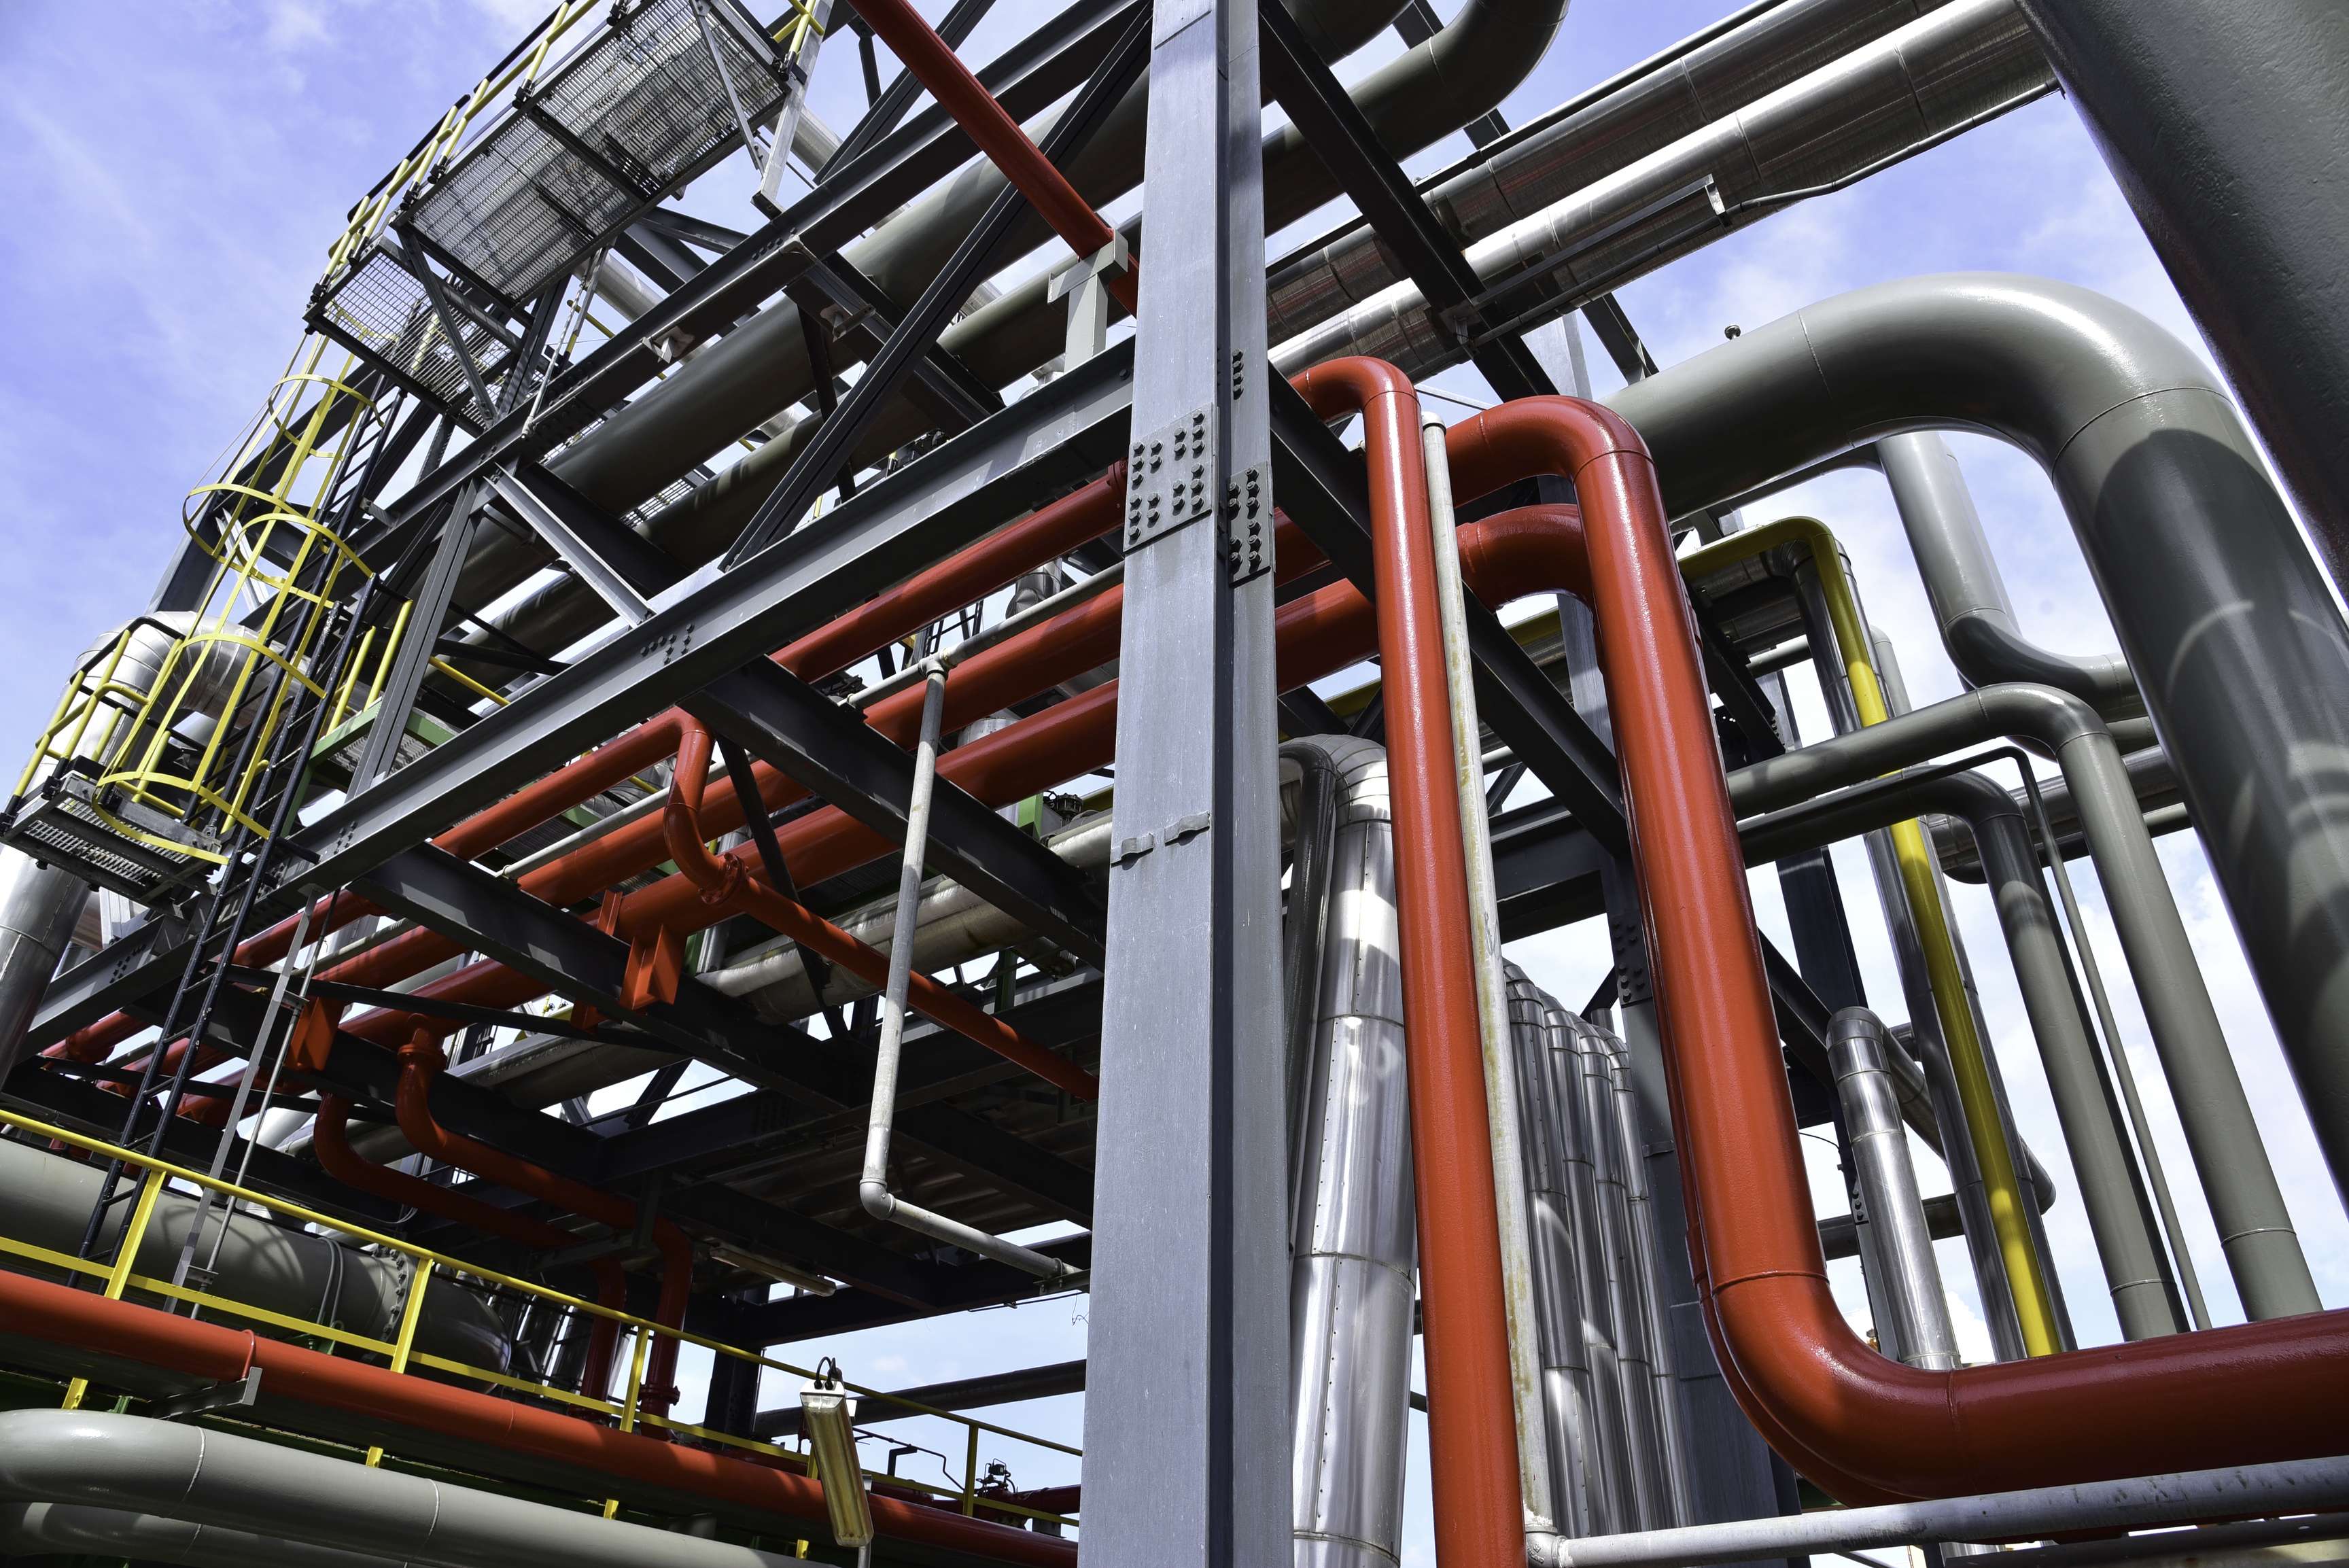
(330, 1140)
(727, 887)
(382, 1397)
(1049, 532)
(421, 1062)
(1472, 1419)
(999, 135)
(1865, 1427)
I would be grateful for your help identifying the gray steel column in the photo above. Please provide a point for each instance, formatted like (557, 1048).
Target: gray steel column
(2228, 130)
(1186, 1442)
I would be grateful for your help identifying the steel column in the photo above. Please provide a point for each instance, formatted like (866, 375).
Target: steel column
(1185, 1454)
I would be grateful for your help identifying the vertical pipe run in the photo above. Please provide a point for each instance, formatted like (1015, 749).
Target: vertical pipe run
(1533, 1473)
(873, 1185)
(1918, 1332)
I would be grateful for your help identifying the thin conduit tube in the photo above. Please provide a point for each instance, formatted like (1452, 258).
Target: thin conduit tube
(873, 1184)
(1510, 1197)
(1864, 1427)
(1985, 1129)
(1471, 1413)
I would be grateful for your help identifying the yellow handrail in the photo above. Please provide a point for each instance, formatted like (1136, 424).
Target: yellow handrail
(121, 1275)
(1968, 1059)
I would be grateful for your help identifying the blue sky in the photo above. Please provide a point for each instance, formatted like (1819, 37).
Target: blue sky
(173, 173)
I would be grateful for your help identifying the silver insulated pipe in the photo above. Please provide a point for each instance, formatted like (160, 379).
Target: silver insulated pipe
(1354, 1234)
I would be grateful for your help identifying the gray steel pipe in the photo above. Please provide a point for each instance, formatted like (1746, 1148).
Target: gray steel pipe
(1968, 593)
(2219, 605)
(297, 1273)
(2226, 129)
(760, 368)
(1354, 1237)
(2303, 1486)
(209, 1477)
(1889, 98)
(65, 1528)
(40, 906)
(1894, 1239)
(2135, 1273)
(2262, 1251)
(1992, 1281)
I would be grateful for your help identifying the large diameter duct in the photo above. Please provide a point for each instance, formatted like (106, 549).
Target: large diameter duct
(1889, 98)
(760, 368)
(1967, 590)
(40, 906)
(1354, 1236)
(346, 1514)
(2227, 128)
(2243, 657)
(1615, 123)
(296, 1273)
(78, 1530)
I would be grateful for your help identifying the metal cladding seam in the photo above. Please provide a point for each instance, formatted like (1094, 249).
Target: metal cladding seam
(1864, 1427)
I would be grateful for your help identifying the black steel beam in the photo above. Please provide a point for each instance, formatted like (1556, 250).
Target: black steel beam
(932, 379)
(493, 917)
(835, 754)
(1323, 488)
(912, 347)
(1026, 79)
(962, 1394)
(937, 1063)
(87, 1108)
(132, 967)
(1619, 337)
(960, 1289)
(888, 106)
(365, 1068)
(1055, 438)
(646, 566)
(1341, 136)
(1011, 1165)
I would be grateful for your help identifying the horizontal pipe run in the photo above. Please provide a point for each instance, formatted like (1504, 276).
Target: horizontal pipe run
(2301, 1486)
(390, 1404)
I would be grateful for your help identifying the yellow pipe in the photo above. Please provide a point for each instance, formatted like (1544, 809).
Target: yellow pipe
(1969, 1062)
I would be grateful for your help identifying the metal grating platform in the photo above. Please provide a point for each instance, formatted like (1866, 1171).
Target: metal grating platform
(627, 118)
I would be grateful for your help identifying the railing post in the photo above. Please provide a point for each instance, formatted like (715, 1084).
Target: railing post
(126, 1258)
(412, 1310)
(970, 1475)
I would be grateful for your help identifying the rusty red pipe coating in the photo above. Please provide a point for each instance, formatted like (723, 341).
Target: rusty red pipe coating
(330, 1140)
(1865, 1427)
(421, 1062)
(1472, 1419)
(1051, 531)
(726, 886)
(934, 64)
(381, 1398)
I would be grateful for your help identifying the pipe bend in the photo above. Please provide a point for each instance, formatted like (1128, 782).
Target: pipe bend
(1865, 1427)
(2029, 710)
